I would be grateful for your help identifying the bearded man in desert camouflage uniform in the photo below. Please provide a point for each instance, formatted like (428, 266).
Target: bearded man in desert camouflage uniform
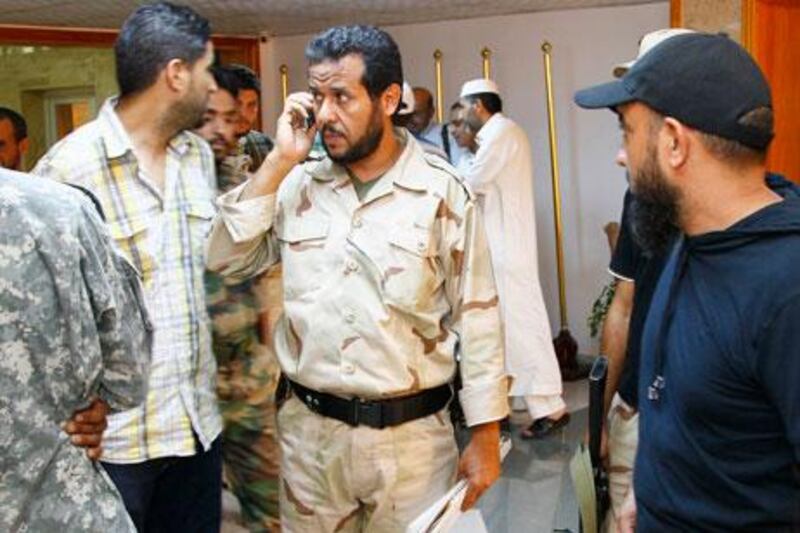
(387, 281)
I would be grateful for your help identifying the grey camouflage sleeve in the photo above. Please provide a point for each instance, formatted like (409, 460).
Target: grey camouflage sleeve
(123, 327)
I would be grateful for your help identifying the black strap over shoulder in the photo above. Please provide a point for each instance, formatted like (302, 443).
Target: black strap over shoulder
(446, 142)
(92, 197)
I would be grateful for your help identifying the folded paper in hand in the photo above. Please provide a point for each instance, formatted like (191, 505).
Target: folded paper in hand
(446, 511)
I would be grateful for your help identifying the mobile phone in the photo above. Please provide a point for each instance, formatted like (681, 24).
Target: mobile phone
(311, 119)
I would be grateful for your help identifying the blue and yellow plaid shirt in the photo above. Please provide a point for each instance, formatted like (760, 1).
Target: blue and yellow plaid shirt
(163, 234)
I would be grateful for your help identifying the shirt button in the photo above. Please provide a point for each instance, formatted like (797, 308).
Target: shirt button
(357, 222)
(349, 317)
(348, 368)
(421, 246)
(351, 266)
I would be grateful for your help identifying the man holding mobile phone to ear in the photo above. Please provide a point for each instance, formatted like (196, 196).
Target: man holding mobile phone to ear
(387, 281)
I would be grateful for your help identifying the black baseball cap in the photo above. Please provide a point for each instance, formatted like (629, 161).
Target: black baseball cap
(707, 82)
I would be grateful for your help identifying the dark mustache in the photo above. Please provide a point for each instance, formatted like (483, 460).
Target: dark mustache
(331, 129)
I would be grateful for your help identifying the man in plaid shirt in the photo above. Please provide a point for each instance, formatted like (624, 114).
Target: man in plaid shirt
(156, 185)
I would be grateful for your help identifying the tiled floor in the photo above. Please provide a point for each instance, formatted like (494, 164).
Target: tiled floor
(534, 493)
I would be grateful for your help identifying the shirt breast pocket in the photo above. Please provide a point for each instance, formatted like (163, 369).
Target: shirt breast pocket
(303, 242)
(131, 238)
(199, 215)
(412, 273)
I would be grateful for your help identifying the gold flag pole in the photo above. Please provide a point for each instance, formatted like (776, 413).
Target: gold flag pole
(437, 64)
(284, 70)
(565, 345)
(551, 128)
(486, 54)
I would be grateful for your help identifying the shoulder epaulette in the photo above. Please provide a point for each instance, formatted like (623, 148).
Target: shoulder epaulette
(440, 164)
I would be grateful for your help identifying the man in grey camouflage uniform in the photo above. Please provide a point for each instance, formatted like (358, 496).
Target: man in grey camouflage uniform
(72, 328)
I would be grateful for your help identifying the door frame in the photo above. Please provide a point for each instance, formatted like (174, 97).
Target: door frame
(98, 38)
(747, 16)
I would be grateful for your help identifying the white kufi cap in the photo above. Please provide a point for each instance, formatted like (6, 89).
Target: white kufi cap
(478, 86)
(647, 43)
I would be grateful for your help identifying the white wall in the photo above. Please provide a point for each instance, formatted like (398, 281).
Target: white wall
(586, 44)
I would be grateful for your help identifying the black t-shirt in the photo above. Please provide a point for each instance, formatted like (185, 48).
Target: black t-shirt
(630, 263)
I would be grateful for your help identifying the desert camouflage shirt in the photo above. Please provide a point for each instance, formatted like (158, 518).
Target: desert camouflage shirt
(381, 294)
(72, 326)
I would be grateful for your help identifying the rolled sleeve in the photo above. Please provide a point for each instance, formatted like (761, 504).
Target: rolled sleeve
(241, 244)
(485, 402)
(474, 297)
(627, 255)
(245, 219)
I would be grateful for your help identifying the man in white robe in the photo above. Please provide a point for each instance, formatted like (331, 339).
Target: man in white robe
(501, 175)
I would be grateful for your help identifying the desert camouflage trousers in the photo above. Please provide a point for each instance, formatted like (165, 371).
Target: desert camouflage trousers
(338, 478)
(243, 318)
(623, 439)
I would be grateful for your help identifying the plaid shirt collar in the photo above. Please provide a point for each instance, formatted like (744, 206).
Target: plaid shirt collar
(116, 140)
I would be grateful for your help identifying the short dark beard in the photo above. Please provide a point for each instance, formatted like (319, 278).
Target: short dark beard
(472, 120)
(654, 210)
(186, 114)
(363, 147)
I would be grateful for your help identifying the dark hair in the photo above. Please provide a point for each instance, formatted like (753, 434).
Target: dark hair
(226, 79)
(246, 78)
(456, 105)
(382, 64)
(728, 150)
(152, 36)
(735, 152)
(491, 101)
(18, 123)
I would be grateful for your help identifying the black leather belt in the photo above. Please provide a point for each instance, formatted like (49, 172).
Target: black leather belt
(378, 413)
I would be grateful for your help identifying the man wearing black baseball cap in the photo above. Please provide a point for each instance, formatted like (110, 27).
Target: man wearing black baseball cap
(719, 444)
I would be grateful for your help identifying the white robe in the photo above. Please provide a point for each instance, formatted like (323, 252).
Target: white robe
(502, 177)
(465, 163)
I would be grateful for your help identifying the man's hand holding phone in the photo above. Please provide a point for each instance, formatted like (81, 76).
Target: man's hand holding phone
(293, 141)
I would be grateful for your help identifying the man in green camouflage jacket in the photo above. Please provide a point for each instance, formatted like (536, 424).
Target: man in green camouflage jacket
(242, 341)
(252, 143)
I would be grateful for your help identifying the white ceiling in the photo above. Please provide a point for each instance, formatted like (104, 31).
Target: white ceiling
(282, 17)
